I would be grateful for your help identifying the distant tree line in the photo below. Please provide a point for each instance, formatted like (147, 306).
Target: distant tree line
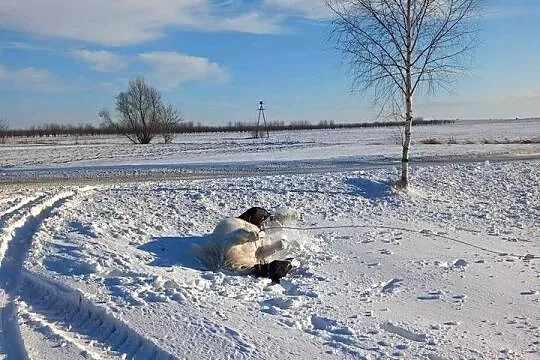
(142, 116)
(187, 127)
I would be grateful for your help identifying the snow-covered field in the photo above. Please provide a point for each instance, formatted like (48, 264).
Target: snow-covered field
(448, 270)
(345, 145)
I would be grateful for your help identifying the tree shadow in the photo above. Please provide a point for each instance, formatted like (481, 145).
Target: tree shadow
(370, 189)
(175, 250)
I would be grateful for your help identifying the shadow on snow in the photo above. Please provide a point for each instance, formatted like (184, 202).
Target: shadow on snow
(175, 250)
(370, 189)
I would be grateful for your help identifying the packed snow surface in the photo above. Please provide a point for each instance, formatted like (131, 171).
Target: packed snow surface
(447, 270)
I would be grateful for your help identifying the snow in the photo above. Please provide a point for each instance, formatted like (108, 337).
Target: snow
(225, 148)
(448, 270)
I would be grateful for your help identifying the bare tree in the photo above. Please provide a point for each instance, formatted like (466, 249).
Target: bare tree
(396, 47)
(105, 115)
(142, 113)
(169, 123)
(4, 126)
(139, 110)
(106, 120)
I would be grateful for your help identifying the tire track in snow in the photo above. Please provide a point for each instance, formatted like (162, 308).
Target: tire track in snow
(20, 212)
(67, 313)
(16, 242)
(13, 208)
(8, 313)
(64, 311)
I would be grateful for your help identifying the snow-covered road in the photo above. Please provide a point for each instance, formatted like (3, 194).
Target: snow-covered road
(111, 174)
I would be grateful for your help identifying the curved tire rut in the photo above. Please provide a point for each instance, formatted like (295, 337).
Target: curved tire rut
(66, 312)
(44, 303)
(16, 241)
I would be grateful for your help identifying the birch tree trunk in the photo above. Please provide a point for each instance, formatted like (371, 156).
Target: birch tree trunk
(406, 144)
(408, 100)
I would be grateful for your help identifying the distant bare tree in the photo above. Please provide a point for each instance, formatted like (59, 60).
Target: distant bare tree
(139, 109)
(169, 123)
(105, 116)
(396, 47)
(4, 126)
(107, 125)
(142, 113)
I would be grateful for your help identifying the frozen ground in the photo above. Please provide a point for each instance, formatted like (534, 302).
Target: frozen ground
(446, 271)
(371, 144)
(99, 159)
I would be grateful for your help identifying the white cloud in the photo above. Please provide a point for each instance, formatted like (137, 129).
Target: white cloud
(503, 11)
(252, 22)
(101, 60)
(18, 45)
(171, 69)
(311, 9)
(124, 22)
(30, 78)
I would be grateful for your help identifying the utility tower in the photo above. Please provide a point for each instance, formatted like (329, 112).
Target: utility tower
(258, 131)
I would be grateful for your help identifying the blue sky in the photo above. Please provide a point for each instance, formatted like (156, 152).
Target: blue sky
(63, 61)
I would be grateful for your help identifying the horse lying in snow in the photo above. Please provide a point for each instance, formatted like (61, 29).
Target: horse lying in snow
(242, 245)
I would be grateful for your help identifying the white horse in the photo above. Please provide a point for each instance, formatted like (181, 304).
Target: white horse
(240, 244)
